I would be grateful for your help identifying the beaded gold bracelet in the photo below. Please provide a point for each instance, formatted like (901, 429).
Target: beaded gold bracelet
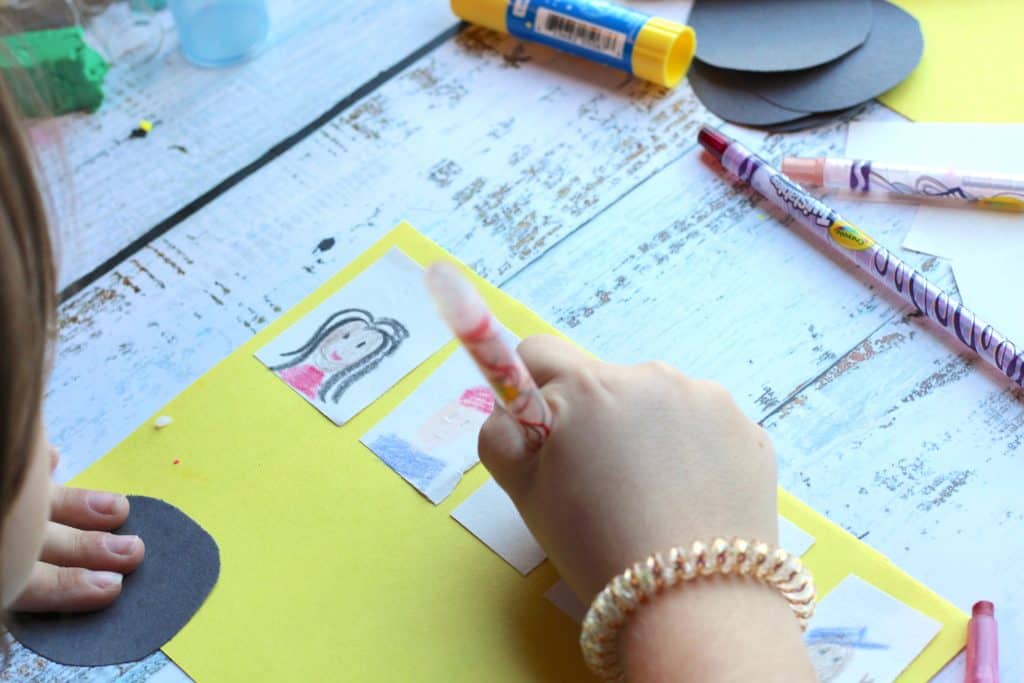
(625, 593)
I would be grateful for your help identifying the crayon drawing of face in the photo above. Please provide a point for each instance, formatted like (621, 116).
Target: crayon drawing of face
(461, 417)
(829, 660)
(346, 347)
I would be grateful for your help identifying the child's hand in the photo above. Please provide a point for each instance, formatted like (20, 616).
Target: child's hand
(641, 459)
(81, 566)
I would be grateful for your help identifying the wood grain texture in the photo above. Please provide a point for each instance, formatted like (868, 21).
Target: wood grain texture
(209, 123)
(582, 193)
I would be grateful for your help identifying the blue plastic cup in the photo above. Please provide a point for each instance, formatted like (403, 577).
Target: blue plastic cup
(220, 32)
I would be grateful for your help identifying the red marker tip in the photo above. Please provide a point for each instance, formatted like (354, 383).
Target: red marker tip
(983, 608)
(713, 141)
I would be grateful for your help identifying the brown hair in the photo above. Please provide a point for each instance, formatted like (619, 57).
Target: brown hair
(27, 301)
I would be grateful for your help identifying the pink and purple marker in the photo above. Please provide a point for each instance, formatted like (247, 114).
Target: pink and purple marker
(857, 246)
(988, 190)
(465, 312)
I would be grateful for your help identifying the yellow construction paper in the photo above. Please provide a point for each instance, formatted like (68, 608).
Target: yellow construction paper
(969, 63)
(334, 568)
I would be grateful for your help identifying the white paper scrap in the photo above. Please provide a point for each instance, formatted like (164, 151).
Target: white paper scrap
(490, 515)
(358, 343)
(859, 633)
(562, 597)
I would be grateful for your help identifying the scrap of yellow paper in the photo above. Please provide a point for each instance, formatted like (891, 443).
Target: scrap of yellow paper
(334, 568)
(969, 64)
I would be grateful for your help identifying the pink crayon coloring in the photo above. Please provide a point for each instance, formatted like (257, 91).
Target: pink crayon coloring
(478, 398)
(305, 379)
(465, 312)
(982, 645)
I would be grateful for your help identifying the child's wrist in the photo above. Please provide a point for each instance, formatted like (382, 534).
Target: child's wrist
(731, 564)
(718, 629)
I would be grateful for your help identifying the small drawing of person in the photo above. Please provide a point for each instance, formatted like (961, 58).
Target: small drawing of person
(465, 415)
(829, 659)
(345, 348)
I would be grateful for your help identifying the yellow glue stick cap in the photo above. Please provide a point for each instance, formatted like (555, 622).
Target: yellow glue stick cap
(489, 13)
(663, 51)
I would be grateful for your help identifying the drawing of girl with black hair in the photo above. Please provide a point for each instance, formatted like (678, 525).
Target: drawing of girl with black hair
(346, 347)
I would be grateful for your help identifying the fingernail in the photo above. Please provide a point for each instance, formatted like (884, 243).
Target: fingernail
(104, 503)
(120, 545)
(105, 580)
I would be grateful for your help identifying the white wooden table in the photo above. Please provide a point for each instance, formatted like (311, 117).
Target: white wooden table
(577, 190)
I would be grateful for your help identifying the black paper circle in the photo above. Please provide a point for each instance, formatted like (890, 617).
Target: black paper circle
(180, 568)
(892, 50)
(826, 118)
(728, 94)
(777, 35)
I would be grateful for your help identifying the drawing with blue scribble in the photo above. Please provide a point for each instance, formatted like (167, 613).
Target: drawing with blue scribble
(432, 452)
(832, 650)
(415, 466)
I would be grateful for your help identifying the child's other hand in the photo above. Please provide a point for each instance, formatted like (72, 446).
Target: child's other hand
(641, 459)
(81, 565)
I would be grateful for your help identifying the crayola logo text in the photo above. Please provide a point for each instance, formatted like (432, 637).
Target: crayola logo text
(849, 236)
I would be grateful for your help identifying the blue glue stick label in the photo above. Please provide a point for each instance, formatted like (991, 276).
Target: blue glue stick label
(594, 29)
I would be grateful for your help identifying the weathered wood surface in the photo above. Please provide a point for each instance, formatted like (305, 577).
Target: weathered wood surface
(209, 123)
(582, 194)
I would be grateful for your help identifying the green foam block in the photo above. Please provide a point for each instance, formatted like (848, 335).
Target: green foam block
(52, 72)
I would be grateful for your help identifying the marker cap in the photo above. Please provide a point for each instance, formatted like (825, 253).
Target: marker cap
(804, 170)
(663, 51)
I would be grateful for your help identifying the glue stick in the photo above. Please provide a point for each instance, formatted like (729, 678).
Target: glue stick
(651, 48)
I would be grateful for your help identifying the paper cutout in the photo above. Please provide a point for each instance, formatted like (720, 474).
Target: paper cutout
(781, 35)
(859, 633)
(890, 53)
(830, 118)
(962, 75)
(181, 566)
(430, 439)
(980, 242)
(271, 480)
(358, 343)
(562, 597)
(490, 515)
(792, 538)
(729, 94)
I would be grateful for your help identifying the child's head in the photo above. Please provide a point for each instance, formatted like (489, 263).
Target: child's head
(27, 308)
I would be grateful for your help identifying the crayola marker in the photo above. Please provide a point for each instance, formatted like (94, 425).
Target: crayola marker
(651, 48)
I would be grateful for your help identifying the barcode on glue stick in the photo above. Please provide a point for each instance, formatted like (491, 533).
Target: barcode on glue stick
(580, 33)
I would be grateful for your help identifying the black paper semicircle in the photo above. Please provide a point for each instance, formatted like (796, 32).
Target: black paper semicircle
(728, 95)
(180, 568)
